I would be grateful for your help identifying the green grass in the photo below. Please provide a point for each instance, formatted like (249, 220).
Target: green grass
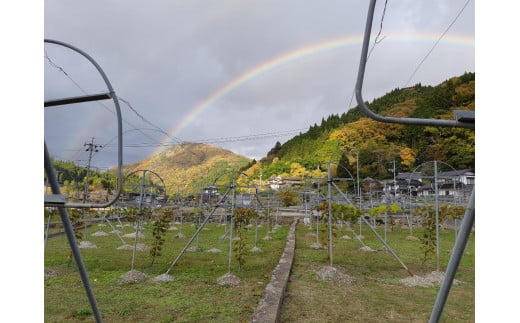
(193, 296)
(376, 294)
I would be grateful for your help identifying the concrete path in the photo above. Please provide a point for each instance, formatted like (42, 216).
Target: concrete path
(269, 307)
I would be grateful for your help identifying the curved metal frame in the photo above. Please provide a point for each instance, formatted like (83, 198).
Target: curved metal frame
(378, 117)
(146, 171)
(58, 200)
(119, 132)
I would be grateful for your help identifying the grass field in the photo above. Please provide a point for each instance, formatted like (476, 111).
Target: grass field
(374, 295)
(193, 296)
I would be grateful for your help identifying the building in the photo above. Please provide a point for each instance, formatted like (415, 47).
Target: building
(278, 182)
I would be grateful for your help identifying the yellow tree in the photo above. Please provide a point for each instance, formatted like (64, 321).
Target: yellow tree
(298, 170)
(408, 157)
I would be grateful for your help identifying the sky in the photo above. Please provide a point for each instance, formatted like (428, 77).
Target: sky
(240, 75)
(204, 70)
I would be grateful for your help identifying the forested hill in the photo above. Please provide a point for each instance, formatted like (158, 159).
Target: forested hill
(339, 138)
(188, 167)
(185, 169)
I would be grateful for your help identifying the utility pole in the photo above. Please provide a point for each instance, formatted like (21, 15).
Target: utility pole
(395, 183)
(90, 148)
(358, 193)
(357, 175)
(261, 173)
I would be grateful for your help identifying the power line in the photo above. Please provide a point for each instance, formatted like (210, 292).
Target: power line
(53, 64)
(435, 45)
(148, 122)
(377, 40)
(252, 137)
(63, 71)
(222, 139)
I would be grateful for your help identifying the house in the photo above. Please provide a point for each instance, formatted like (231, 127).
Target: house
(416, 176)
(275, 182)
(409, 183)
(278, 182)
(208, 193)
(455, 183)
(371, 186)
(464, 176)
(403, 186)
(404, 183)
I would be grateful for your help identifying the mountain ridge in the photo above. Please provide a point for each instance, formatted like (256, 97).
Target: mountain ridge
(188, 167)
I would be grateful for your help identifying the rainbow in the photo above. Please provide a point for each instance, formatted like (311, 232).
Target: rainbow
(295, 56)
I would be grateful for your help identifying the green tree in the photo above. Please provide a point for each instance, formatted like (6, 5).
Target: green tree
(288, 197)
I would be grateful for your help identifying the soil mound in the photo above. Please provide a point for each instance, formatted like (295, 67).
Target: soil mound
(229, 280)
(333, 274)
(163, 278)
(429, 280)
(132, 277)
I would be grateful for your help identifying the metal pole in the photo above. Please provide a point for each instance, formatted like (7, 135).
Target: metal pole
(357, 177)
(358, 188)
(88, 169)
(458, 251)
(454, 191)
(139, 218)
(258, 206)
(329, 181)
(256, 225)
(438, 239)
(231, 222)
(47, 230)
(388, 247)
(91, 148)
(317, 228)
(269, 227)
(114, 229)
(387, 195)
(410, 215)
(69, 230)
(198, 231)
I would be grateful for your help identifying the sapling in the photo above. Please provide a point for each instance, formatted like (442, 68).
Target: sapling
(159, 228)
(429, 240)
(242, 217)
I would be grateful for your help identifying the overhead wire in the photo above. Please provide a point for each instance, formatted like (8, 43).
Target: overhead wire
(148, 122)
(224, 139)
(61, 69)
(436, 43)
(377, 40)
(252, 137)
